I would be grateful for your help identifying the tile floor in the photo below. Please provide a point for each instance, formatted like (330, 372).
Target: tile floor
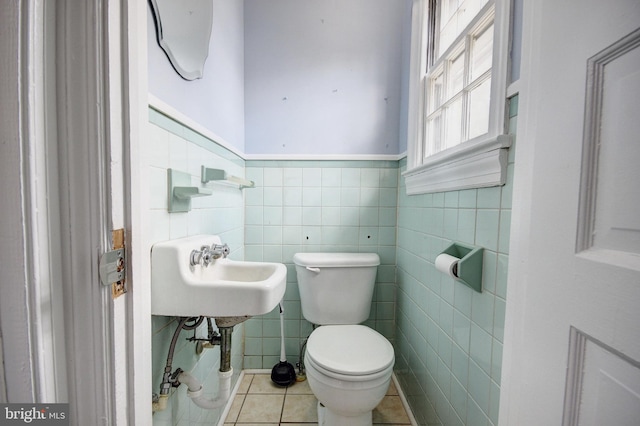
(260, 402)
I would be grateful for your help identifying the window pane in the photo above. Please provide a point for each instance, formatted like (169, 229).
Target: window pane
(435, 93)
(458, 87)
(455, 15)
(448, 34)
(467, 10)
(449, 8)
(456, 75)
(453, 116)
(434, 135)
(481, 53)
(479, 109)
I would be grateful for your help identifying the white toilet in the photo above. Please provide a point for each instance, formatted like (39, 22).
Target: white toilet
(348, 365)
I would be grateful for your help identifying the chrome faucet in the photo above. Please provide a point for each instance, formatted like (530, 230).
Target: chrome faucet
(202, 256)
(207, 255)
(219, 251)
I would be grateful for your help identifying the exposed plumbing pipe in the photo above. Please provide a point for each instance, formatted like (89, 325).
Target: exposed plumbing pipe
(302, 371)
(196, 391)
(225, 348)
(160, 403)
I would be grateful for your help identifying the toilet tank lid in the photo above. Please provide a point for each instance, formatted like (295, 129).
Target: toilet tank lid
(336, 260)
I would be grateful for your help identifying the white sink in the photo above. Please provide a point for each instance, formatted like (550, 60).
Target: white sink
(224, 288)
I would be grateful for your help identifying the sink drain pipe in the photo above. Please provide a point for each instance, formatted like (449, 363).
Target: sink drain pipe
(195, 389)
(225, 348)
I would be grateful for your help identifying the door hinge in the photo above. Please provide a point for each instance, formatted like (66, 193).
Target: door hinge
(113, 265)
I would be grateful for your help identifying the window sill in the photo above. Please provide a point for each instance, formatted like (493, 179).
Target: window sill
(469, 165)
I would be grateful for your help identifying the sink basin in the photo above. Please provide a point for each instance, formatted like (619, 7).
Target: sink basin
(224, 288)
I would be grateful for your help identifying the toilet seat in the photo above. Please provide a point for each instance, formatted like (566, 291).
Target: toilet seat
(349, 352)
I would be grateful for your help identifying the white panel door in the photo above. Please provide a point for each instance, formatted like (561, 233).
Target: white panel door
(572, 331)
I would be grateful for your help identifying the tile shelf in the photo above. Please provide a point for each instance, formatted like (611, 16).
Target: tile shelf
(219, 175)
(180, 191)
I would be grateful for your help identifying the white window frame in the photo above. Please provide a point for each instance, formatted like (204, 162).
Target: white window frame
(475, 163)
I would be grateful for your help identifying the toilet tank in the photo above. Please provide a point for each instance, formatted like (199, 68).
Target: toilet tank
(336, 288)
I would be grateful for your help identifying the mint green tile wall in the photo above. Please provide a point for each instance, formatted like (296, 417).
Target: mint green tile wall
(306, 206)
(178, 147)
(448, 337)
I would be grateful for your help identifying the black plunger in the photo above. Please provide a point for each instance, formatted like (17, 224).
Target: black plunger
(283, 373)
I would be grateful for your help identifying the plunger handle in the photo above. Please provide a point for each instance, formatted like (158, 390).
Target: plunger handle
(283, 356)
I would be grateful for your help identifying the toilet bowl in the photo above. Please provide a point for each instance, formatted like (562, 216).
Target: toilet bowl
(349, 370)
(348, 365)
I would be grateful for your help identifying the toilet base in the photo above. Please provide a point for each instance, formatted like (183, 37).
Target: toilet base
(327, 417)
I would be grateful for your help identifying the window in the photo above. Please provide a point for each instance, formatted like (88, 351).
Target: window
(457, 101)
(459, 79)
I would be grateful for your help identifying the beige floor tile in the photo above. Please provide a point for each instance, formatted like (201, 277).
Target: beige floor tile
(392, 389)
(261, 409)
(390, 411)
(245, 383)
(300, 408)
(259, 402)
(262, 384)
(299, 388)
(258, 424)
(234, 410)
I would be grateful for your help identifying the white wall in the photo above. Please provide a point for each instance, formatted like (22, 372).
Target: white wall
(217, 100)
(14, 310)
(323, 76)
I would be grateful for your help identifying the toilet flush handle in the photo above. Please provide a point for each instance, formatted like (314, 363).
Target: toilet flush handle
(316, 270)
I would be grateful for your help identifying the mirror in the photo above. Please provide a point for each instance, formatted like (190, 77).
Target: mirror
(183, 28)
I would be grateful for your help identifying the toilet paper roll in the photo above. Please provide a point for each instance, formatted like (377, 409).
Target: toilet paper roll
(447, 264)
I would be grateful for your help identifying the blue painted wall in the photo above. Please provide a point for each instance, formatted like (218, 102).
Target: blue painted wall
(216, 101)
(323, 77)
(297, 76)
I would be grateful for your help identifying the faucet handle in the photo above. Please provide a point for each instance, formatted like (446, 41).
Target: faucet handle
(203, 256)
(220, 250)
(207, 256)
(195, 258)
